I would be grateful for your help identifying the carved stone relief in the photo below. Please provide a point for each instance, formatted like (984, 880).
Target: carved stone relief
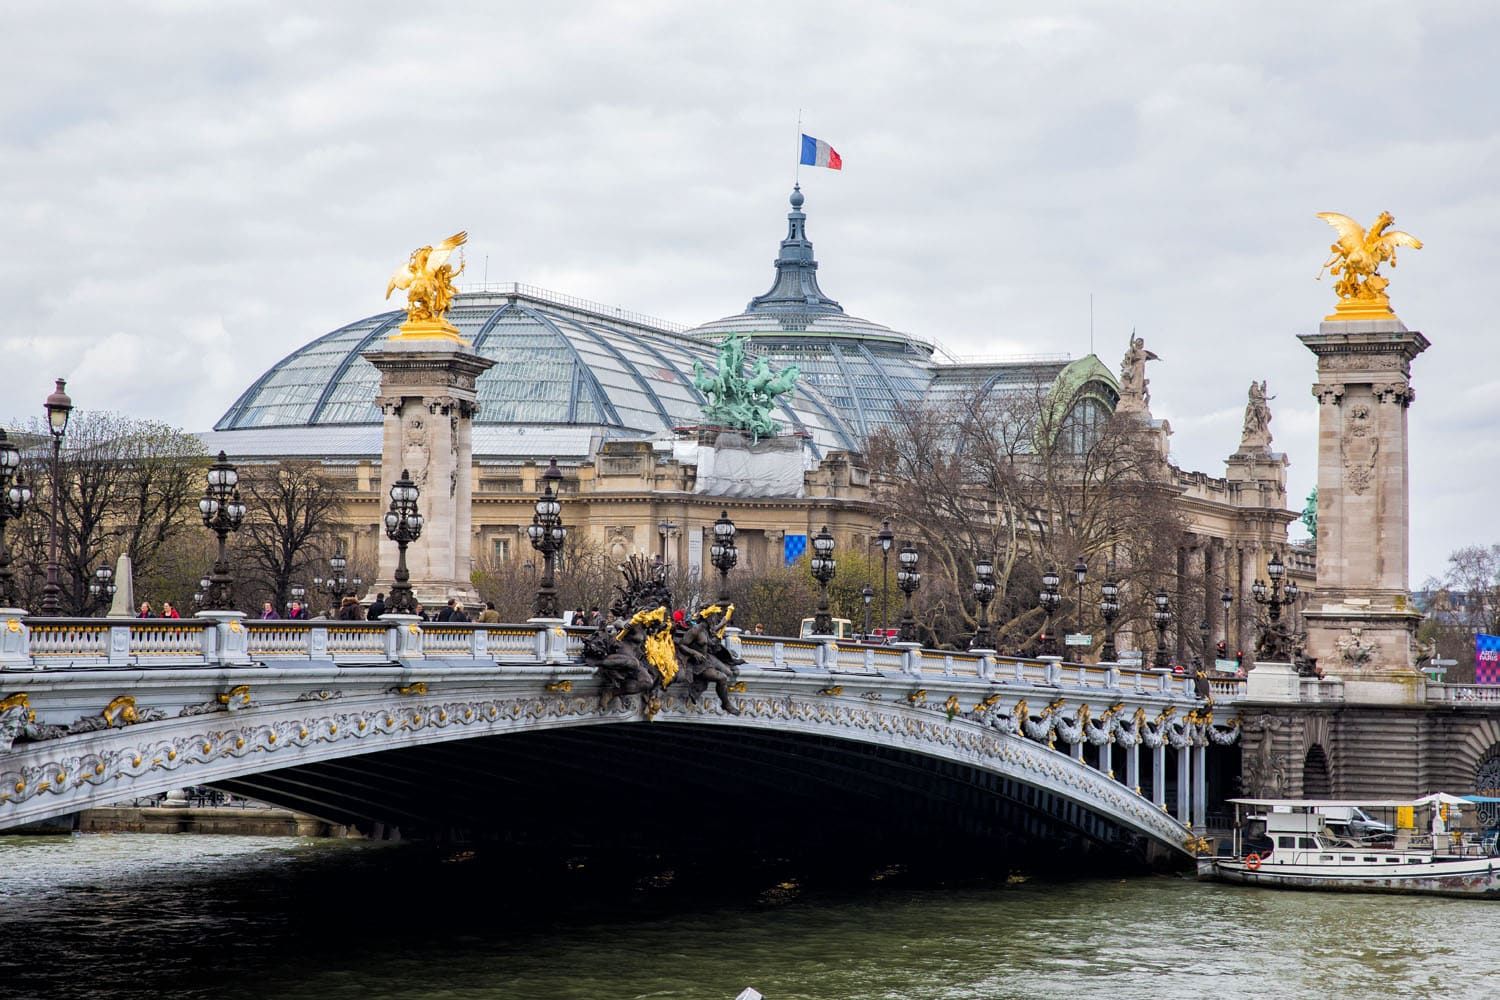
(1360, 448)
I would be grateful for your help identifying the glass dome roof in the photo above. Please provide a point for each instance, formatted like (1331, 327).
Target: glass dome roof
(865, 369)
(559, 361)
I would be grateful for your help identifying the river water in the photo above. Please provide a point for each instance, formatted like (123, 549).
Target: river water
(130, 915)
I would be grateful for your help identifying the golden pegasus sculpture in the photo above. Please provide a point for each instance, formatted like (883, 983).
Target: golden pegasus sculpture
(1355, 264)
(427, 279)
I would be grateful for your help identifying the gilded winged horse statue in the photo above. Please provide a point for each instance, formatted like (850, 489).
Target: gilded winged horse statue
(427, 278)
(1355, 264)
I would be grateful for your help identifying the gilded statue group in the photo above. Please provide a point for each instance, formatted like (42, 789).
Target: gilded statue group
(1357, 255)
(740, 402)
(643, 647)
(427, 278)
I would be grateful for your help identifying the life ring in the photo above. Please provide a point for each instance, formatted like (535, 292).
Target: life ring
(1252, 862)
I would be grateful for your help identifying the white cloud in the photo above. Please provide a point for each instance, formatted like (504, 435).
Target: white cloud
(192, 192)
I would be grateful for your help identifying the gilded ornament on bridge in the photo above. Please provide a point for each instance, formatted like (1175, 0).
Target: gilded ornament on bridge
(1355, 265)
(427, 279)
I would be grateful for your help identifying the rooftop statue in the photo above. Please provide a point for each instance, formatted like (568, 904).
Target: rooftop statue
(1135, 394)
(739, 402)
(1257, 430)
(427, 278)
(1355, 263)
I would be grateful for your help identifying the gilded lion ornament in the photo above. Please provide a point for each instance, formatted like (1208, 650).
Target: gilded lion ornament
(427, 278)
(1355, 264)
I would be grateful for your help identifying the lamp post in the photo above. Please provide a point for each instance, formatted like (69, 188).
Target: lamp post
(403, 525)
(984, 593)
(102, 586)
(337, 584)
(1080, 574)
(1275, 597)
(547, 536)
(886, 540)
(823, 566)
(724, 554)
(1109, 609)
(59, 406)
(908, 580)
(1226, 599)
(15, 497)
(223, 512)
(1049, 599)
(867, 594)
(1162, 617)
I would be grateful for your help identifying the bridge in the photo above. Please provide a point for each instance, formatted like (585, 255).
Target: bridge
(459, 727)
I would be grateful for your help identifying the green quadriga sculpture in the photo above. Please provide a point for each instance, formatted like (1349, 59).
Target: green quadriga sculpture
(740, 402)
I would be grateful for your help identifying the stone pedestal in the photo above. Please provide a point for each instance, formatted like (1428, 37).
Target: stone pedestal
(1360, 625)
(15, 640)
(427, 397)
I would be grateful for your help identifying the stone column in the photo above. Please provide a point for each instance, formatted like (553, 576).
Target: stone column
(1184, 785)
(427, 397)
(1159, 775)
(1133, 767)
(1200, 789)
(1362, 625)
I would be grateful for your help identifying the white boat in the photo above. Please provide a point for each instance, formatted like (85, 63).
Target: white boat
(1336, 845)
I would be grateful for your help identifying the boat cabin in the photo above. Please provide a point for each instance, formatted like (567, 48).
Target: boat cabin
(1344, 833)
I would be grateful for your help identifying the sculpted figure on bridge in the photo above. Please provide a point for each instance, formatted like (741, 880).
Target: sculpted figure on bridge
(641, 650)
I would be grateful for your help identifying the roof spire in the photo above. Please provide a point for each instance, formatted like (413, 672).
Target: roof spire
(796, 287)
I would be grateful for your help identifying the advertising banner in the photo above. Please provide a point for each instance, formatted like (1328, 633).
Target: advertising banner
(1486, 658)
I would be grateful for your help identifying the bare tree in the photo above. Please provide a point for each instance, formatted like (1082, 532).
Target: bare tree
(1034, 478)
(127, 486)
(290, 515)
(1465, 600)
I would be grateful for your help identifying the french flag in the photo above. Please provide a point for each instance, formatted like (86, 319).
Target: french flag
(817, 153)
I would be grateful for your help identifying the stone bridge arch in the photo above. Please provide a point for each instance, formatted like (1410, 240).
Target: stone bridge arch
(859, 764)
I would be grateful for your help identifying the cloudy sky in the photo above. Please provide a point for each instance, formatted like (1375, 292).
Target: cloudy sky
(192, 190)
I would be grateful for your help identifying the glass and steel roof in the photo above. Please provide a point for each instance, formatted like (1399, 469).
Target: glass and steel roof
(557, 363)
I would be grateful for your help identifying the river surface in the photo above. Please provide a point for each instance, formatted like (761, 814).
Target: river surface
(131, 915)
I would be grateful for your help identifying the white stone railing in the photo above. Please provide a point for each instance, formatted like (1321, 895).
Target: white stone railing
(67, 640)
(1463, 694)
(80, 643)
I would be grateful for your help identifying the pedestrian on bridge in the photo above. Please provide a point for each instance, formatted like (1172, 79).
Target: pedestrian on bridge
(268, 613)
(489, 616)
(377, 607)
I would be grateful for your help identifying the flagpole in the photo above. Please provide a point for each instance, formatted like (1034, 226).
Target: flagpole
(797, 170)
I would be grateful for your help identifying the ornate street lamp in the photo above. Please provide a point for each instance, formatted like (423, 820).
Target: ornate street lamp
(1226, 599)
(223, 512)
(724, 554)
(1109, 609)
(908, 580)
(823, 566)
(1162, 617)
(1049, 599)
(298, 593)
(336, 583)
(1080, 574)
(867, 594)
(984, 593)
(886, 540)
(59, 406)
(102, 586)
(547, 536)
(403, 525)
(1275, 597)
(15, 497)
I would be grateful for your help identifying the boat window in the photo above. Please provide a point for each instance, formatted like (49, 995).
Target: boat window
(1349, 857)
(1325, 857)
(1307, 842)
(1392, 861)
(1372, 859)
(1286, 841)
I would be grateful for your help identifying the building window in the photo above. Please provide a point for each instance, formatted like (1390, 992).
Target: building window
(500, 549)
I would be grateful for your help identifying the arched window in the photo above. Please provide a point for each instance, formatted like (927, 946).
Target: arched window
(1487, 783)
(1081, 428)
